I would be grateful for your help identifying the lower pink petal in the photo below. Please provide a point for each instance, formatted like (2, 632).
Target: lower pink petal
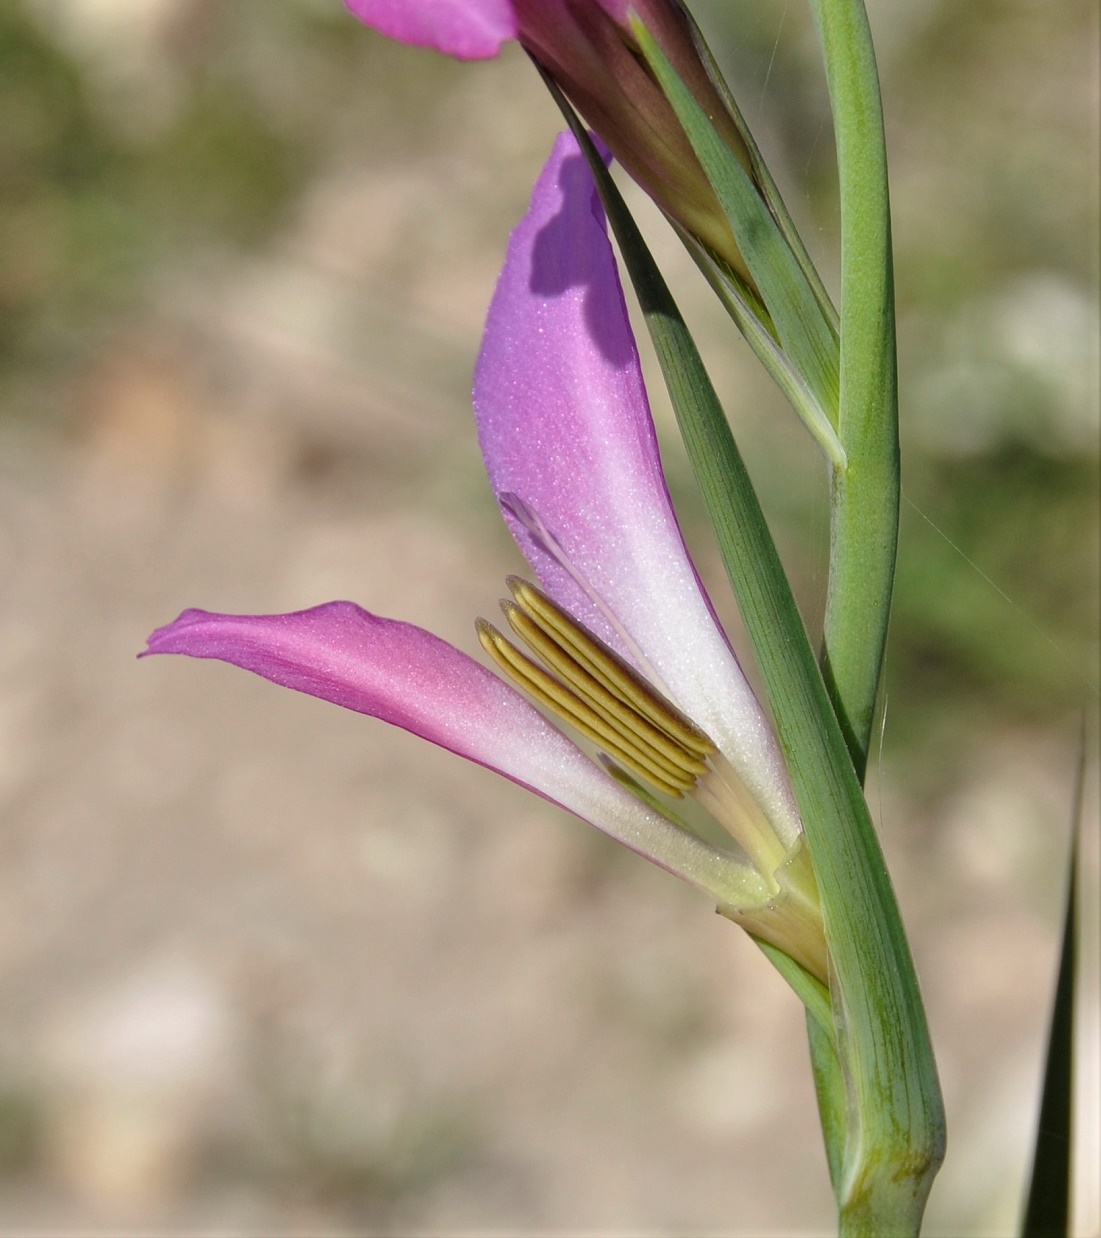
(412, 679)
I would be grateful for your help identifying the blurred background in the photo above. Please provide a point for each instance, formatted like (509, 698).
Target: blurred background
(269, 967)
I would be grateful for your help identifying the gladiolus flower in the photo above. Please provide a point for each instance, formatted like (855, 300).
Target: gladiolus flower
(588, 48)
(621, 641)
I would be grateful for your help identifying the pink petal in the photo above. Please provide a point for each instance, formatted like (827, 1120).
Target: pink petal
(565, 425)
(408, 677)
(467, 29)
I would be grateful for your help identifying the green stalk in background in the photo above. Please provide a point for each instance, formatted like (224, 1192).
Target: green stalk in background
(1049, 1205)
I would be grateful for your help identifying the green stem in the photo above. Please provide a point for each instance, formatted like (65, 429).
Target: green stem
(865, 490)
(764, 178)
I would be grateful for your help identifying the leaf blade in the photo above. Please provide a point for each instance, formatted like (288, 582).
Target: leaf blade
(805, 331)
(1048, 1202)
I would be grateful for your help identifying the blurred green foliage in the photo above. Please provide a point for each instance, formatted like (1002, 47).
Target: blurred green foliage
(108, 183)
(89, 212)
(1012, 640)
(20, 1130)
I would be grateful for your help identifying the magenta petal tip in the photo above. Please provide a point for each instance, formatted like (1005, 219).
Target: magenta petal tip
(171, 637)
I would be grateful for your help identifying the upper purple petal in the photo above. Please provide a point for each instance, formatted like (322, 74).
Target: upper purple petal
(406, 676)
(468, 29)
(565, 426)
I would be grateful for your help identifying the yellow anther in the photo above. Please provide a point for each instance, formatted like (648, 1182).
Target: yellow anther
(621, 717)
(622, 680)
(598, 693)
(567, 705)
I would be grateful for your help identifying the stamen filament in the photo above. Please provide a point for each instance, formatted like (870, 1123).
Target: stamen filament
(726, 797)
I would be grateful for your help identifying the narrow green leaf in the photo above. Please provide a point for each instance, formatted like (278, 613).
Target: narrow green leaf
(894, 1142)
(829, 1082)
(832, 1097)
(805, 332)
(865, 491)
(810, 991)
(764, 178)
(768, 351)
(1047, 1211)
